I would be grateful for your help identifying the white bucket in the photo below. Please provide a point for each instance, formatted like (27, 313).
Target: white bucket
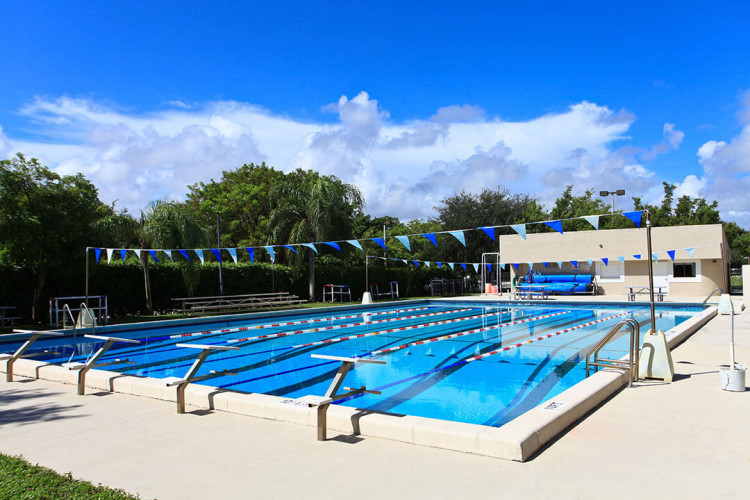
(733, 380)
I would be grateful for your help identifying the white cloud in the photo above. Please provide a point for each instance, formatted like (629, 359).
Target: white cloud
(403, 169)
(5, 147)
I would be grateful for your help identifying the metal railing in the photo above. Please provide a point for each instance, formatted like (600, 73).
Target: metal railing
(65, 309)
(81, 323)
(720, 290)
(631, 365)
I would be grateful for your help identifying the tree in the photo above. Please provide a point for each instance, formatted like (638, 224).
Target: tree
(309, 207)
(170, 225)
(243, 198)
(45, 219)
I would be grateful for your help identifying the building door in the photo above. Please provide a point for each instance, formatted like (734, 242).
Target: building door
(661, 275)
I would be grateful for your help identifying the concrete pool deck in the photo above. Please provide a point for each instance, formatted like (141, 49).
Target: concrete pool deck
(687, 438)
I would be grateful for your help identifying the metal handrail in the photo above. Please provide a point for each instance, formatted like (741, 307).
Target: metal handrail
(632, 364)
(720, 290)
(66, 307)
(84, 307)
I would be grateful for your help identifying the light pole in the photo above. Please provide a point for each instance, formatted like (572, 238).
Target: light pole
(218, 234)
(619, 192)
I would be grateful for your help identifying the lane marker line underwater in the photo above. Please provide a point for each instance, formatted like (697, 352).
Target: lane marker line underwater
(347, 325)
(401, 329)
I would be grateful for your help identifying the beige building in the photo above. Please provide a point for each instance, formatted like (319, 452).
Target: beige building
(685, 276)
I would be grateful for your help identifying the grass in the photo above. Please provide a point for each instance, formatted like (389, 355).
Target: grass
(21, 480)
(735, 280)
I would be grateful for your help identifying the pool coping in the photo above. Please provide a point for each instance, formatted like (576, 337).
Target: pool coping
(516, 440)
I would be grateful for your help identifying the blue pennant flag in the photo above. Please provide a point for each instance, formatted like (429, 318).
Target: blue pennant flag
(123, 254)
(575, 264)
(593, 220)
(185, 254)
(546, 264)
(97, 254)
(690, 251)
(251, 253)
(404, 241)
(431, 237)
(489, 231)
(290, 247)
(556, 225)
(199, 253)
(356, 244)
(379, 241)
(310, 246)
(520, 229)
(605, 260)
(489, 268)
(233, 254)
(655, 255)
(459, 235)
(153, 255)
(332, 244)
(439, 264)
(516, 266)
(671, 254)
(637, 256)
(217, 253)
(271, 253)
(635, 217)
(416, 263)
(621, 259)
(464, 266)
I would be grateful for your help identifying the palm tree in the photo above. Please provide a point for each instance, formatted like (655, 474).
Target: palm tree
(313, 208)
(171, 225)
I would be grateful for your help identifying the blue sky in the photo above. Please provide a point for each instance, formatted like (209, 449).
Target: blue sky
(406, 100)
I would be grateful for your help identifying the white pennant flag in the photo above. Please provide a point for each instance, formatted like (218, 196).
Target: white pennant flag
(593, 220)
(110, 251)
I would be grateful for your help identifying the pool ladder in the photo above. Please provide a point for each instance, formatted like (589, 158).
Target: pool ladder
(631, 365)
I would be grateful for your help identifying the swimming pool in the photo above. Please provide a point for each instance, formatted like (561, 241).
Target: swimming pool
(466, 361)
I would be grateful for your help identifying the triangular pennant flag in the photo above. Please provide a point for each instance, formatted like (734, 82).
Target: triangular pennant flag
(199, 253)
(531, 265)
(332, 244)
(637, 256)
(271, 253)
(404, 241)
(459, 235)
(169, 254)
(379, 241)
(153, 255)
(575, 264)
(290, 247)
(489, 268)
(356, 244)
(605, 260)
(489, 231)
(476, 268)
(233, 254)
(556, 225)
(251, 253)
(416, 263)
(464, 266)
(516, 266)
(217, 253)
(559, 264)
(502, 266)
(690, 251)
(635, 217)
(97, 254)
(589, 261)
(621, 259)
(109, 254)
(671, 254)
(439, 264)
(546, 264)
(450, 264)
(431, 237)
(429, 264)
(404, 261)
(123, 254)
(593, 220)
(310, 246)
(655, 256)
(184, 254)
(520, 229)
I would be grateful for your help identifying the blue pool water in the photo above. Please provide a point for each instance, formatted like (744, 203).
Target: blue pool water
(438, 379)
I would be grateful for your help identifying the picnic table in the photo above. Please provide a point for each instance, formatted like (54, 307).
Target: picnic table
(643, 290)
(4, 312)
(237, 303)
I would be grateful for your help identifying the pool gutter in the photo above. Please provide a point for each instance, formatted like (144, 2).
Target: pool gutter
(516, 440)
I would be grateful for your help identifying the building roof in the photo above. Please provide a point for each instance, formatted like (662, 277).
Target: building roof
(708, 241)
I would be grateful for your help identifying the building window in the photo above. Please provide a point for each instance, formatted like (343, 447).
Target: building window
(612, 272)
(684, 270)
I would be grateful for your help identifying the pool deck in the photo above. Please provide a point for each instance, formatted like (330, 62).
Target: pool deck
(686, 439)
